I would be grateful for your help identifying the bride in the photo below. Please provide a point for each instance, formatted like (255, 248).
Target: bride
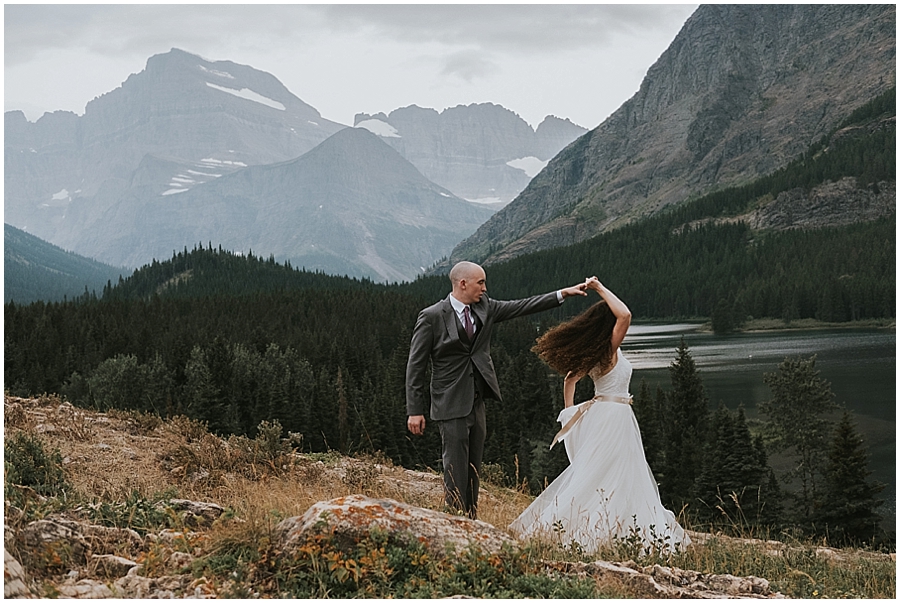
(608, 491)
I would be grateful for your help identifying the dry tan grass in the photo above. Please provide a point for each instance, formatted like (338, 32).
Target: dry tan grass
(100, 457)
(107, 457)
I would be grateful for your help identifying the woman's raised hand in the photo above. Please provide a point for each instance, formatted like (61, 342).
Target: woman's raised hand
(593, 283)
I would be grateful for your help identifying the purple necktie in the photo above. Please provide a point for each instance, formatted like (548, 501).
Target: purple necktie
(467, 323)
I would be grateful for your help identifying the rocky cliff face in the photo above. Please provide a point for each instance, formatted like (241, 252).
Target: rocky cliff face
(740, 92)
(481, 152)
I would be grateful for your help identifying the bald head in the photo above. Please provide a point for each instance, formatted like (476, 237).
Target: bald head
(468, 281)
(464, 270)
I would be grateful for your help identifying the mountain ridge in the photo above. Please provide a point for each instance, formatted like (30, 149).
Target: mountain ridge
(87, 182)
(472, 148)
(352, 205)
(35, 270)
(706, 115)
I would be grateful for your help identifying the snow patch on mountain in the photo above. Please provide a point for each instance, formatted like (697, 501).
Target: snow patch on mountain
(250, 95)
(530, 165)
(381, 128)
(222, 162)
(61, 195)
(224, 74)
(172, 191)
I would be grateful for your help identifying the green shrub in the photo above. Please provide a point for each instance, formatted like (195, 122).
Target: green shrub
(376, 567)
(28, 464)
(141, 514)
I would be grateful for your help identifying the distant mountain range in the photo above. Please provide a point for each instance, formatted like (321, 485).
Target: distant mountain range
(481, 152)
(352, 205)
(113, 183)
(740, 92)
(34, 270)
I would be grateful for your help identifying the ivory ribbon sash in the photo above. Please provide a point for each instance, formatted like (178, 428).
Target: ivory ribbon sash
(583, 408)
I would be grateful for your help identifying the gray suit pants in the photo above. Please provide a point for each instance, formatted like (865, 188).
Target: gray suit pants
(463, 449)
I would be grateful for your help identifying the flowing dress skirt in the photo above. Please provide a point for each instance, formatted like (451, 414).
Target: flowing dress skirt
(607, 492)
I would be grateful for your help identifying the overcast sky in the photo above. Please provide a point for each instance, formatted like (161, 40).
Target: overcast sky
(576, 61)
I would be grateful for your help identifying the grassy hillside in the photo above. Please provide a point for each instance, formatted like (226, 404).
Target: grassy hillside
(123, 469)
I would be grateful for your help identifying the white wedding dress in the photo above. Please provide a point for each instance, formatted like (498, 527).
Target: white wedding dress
(608, 491)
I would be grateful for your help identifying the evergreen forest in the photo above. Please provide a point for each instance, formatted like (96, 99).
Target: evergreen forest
(235, 340)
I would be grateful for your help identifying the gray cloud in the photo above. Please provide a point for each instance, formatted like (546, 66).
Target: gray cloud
(519, 28)
(145, 29)
(468, 65)
(341, 58)
(141, 29)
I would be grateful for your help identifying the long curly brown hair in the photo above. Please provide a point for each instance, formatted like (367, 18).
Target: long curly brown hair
(580, 344)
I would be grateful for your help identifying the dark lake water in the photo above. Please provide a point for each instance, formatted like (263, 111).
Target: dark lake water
(860, 364)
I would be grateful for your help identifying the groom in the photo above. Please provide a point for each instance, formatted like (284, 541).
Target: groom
(455, 335)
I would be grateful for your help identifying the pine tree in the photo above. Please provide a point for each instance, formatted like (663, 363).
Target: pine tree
(686, 430)
(343, 419)
(797, 412)
(710, 487)
(849, 508)
(648, 414)
(750, 472)
(733, 488)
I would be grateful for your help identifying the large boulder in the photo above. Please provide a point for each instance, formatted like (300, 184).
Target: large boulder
(351, 518)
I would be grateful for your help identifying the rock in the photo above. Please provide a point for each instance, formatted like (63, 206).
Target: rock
(195, 513)
(47, 536)
(657, 581)
(177, 540)
(138, 587)
(707, 116)
(15, 583)
(830, 204)
(351, 518)
(85, 589)
(72, 540)
(134, 586)
(179, 561)
(112, 566)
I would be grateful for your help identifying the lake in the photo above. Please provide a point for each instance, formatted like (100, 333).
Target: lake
(859, 364)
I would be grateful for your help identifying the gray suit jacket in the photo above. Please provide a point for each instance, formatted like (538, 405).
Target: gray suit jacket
(436, 337)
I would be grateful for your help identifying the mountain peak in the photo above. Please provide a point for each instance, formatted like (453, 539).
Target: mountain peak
(707, 115)
(360, 150)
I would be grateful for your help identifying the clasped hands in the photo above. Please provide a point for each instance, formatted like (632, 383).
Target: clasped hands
(580, 289)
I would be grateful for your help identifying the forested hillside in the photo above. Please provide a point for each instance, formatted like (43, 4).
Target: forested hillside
(34, 269)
